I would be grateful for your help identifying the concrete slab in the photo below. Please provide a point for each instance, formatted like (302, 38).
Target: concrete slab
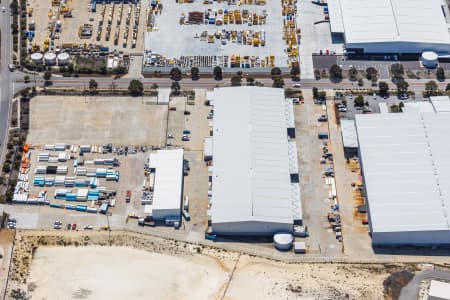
(96, 121)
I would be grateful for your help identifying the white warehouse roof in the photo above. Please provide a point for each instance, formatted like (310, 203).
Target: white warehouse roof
(168, 180)
(421, 24)
(440, 103)
(406, 170)
(251, 173)
(349, 138)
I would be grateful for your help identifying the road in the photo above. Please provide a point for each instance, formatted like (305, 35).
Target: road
(106, 82)
(5, 75)
(411, 290)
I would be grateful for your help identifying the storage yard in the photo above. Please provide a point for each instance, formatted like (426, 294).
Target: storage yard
(252, 34)
(115, 163)
(59, 25)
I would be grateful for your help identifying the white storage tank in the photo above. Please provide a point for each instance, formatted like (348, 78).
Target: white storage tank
(50, 58)
(429, 59)
(63, 58)
(283, 241)
(37, 57)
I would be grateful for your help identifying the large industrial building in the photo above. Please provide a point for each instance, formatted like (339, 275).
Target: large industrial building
(406, 172)
(390, 26)
(255, 179)
(168, 185)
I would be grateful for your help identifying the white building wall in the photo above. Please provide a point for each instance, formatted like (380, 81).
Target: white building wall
(414, 238)
(162, 214)
(250, 228)
(399, 47)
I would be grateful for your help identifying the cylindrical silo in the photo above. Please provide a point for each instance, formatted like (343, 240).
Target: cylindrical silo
(37, 57)
(283, 241)
(63, 58)
(50, 58)
(430, 59)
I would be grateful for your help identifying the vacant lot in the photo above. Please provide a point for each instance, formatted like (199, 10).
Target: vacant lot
(100, 273)
(96, 121)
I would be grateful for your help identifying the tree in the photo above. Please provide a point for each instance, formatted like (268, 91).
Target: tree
(359, 101)
(395, 108)
(195, 73)
(135, 88)
(275, 72)
(6, 167)
(295, 70)
(431, 88)
(47, 76)
(93, 86)
(371, 73)
(217, 71)
(14, 7)
(397, 69)
(335, 73)
(236, 80)
(440, 74)
(317, 74)
(402, 85)
(175, 74)
(352, 74)
(315, 92)
(26, 78)
(360, 82)
(278, 82)
(383, 88)
(447, 88)
(175, 87)
(250, 81)
(14, 29)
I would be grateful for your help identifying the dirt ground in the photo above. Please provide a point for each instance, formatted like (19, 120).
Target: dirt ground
(169, 269)
(96, 120)
(6, 242)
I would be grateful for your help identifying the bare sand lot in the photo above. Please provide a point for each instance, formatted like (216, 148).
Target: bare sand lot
(96, 120)
(122, 273)
(67, 265)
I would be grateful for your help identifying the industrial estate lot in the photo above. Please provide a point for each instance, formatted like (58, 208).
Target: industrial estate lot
(139, 124)
(189, 40)
(97, 120)
(44, 13)
(142, 124)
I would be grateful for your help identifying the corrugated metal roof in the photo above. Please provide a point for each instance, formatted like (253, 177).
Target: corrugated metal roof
(368, 21)
(251, 179)
(168, 179)
(417, 107)
(336, 22)
(349, 137)
(406, 170)
(440, 103)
